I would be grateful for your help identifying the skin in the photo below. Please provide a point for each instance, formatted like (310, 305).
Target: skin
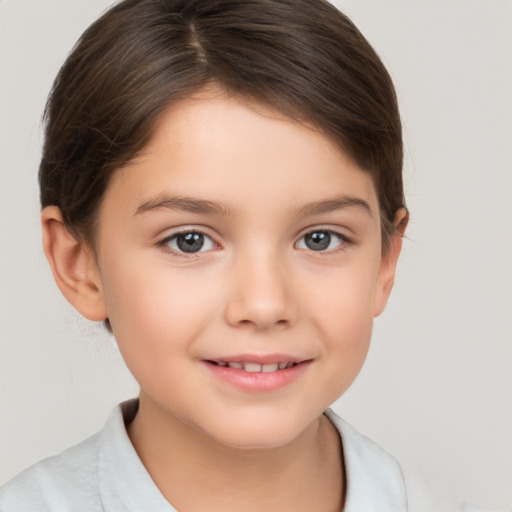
(255, 287)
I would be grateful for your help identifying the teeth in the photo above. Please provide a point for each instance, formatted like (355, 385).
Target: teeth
(252, 367)
(267, 368)
(256, 367)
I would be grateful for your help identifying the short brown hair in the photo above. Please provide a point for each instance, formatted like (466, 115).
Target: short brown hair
(302, 58)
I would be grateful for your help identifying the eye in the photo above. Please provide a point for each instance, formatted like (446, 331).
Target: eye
(321, 240)
(189, 242)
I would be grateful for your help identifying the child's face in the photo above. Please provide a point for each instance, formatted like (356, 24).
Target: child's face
(284, 265)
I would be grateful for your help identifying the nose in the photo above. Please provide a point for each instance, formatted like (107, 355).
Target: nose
(261, 296)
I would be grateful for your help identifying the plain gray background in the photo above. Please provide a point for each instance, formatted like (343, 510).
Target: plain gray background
(436, 389)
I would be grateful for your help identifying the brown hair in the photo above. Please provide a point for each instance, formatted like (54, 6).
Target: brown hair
(303, 58)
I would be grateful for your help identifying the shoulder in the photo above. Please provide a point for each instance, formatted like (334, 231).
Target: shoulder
(377, 481)
(103, 472)
(49, 484)
(422, 495)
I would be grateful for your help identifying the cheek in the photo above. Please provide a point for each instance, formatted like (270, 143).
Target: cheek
(342, 313)
(343, 299)
(155, 312)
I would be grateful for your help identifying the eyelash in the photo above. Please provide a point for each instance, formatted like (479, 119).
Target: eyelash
(343, 242)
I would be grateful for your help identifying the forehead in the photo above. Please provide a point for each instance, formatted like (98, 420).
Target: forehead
(226, 149)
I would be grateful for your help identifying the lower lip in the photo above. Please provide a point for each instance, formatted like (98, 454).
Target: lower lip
(257, 382)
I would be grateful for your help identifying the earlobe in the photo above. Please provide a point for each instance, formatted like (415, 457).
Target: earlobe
(73, 266)
(389, 260)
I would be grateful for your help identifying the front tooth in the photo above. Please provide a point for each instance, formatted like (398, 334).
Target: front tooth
(236, 365)
(267, 368)
(222, 363)
(282, 366)
(252, 367)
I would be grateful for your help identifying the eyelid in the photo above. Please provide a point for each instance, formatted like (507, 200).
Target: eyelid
(336, 229)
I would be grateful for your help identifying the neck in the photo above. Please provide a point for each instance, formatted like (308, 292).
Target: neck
(196, 473)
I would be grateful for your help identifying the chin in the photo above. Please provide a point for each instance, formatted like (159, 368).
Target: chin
(257, 441)
(259, 433)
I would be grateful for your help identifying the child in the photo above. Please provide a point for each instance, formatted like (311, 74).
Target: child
(221, 186)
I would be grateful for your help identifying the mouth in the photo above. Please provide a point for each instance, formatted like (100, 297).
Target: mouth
(257, 373)
(254, 367)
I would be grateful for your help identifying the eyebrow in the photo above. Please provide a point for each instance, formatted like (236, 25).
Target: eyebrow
(187, 204)
(333, 204)
(204, 206)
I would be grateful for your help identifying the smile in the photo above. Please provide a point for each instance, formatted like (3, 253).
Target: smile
(255, 374)
(253, 367)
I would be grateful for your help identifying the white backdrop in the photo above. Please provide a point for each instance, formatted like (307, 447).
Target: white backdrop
(437, 388)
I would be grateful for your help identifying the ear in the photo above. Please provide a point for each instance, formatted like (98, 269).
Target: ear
(389, 259)
(73, 266)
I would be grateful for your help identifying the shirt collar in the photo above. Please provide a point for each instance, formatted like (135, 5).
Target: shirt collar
(374, 478)
(125, 484)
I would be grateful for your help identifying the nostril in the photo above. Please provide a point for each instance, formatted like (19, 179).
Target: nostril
(263, 323)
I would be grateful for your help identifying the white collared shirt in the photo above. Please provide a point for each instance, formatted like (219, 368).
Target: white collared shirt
(105, 474)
